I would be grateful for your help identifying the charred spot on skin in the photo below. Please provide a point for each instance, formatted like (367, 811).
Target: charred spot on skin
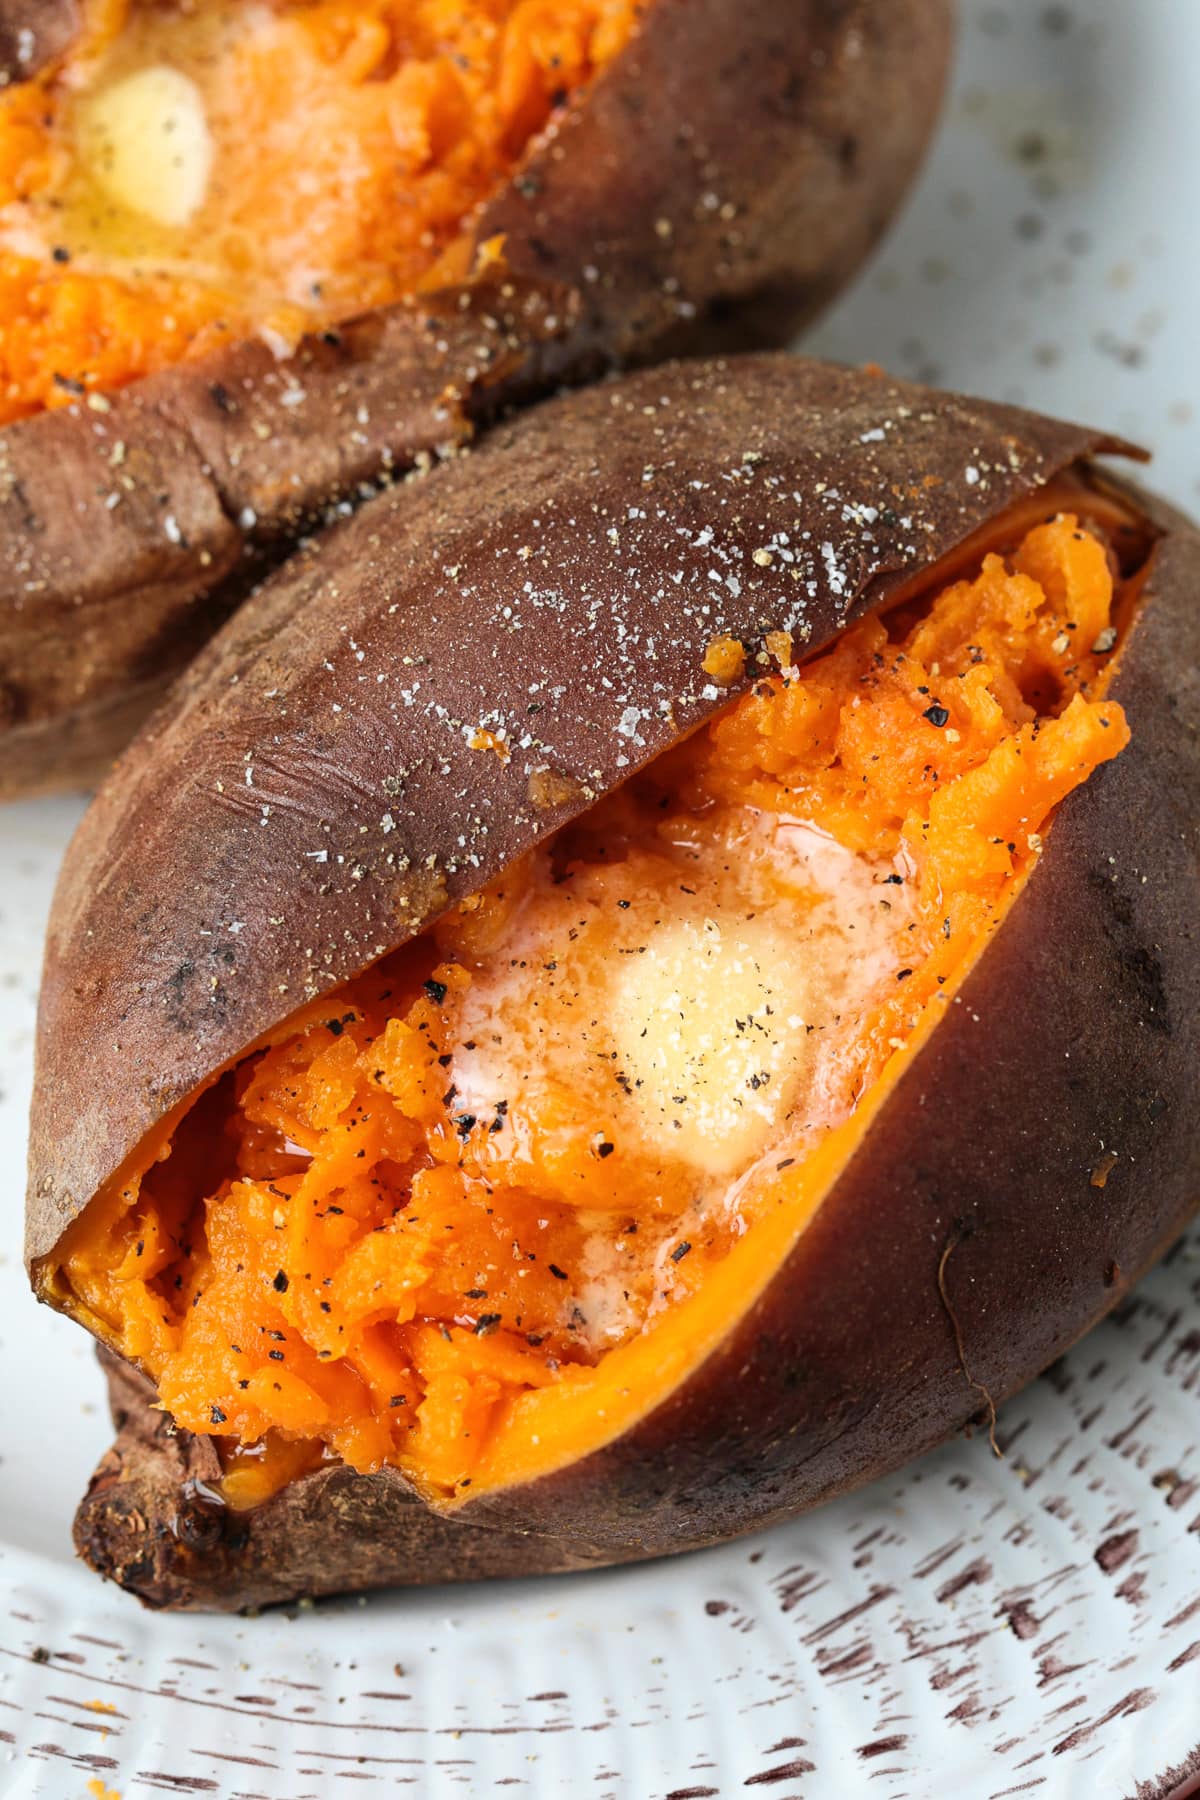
(14, 704)
(199, 1522)
(178, 984)
(1141, 961)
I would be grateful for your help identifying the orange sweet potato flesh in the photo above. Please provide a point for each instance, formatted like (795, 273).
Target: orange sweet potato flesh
(339, 1253)
(401, 118)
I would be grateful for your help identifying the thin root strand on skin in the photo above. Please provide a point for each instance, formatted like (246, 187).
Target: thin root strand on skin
(951, 1246)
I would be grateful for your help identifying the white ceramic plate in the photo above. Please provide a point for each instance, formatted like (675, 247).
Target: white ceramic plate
(973, 1629)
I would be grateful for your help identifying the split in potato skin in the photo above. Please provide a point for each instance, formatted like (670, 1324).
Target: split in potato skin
(457, 1218)
(159, 202)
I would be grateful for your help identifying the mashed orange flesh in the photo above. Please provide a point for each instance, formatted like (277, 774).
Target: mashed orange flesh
(196, 174)
(466, 1213)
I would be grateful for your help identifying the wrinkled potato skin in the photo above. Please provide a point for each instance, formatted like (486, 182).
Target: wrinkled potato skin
(719, 182)
(149, 1522)
(969, 1213)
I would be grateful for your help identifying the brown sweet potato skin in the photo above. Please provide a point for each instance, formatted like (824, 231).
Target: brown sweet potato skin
(722, 179)
(33, 33)
(153, 1522)
(972, 1195)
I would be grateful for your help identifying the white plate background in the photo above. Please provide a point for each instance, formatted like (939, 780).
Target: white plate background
(972, 1629)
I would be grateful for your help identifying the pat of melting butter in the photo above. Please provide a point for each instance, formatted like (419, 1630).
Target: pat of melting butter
(711, 1027)
(146, 142)
(688, 1012)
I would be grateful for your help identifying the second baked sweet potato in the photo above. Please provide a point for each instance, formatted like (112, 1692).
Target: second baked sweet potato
(298, 304)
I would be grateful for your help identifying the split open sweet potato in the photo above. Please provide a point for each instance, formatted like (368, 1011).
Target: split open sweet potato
(243, 314)
(646, 979)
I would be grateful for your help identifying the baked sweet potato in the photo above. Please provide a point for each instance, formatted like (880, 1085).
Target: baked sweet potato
(305, 306)
(643, 981)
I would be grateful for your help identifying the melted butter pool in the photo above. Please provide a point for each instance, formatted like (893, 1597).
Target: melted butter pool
(687, 1005)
